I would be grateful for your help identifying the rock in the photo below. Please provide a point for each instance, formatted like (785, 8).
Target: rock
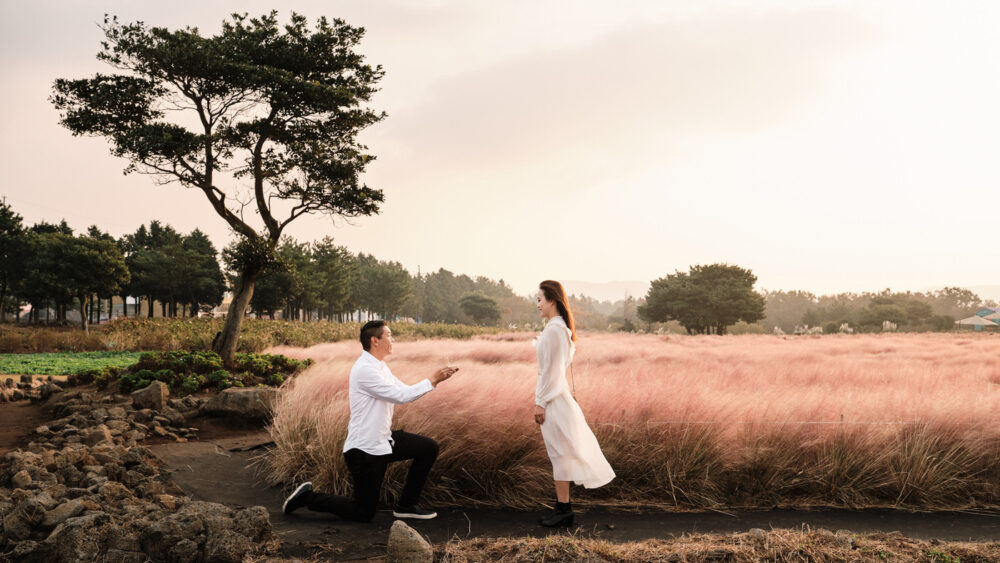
(216, 517)
(21, 479)
(184, 551)
(24, 551)
(96, 435)
(143, 415)
(167, 501)
(120, 556)
(118, 427)
(228, 547)
(245, 403)
(116, 413)
(23, 519)
(157, 540)
(48, 390)
(131, 459)
(79, 539)
(406, 545)
(61, 513)
(46, 500)
(154, 396)
(159, 431)
(9, 383)
(112, 491)
(174, 417)
(254, 523)
(757, 533)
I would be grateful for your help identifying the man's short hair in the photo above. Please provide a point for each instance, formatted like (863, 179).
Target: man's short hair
(370, 330)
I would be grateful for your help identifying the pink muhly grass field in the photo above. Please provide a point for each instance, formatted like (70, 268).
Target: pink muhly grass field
(866, 420)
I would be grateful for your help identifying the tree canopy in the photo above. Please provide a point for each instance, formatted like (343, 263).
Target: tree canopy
(706, 300)
(277, 106)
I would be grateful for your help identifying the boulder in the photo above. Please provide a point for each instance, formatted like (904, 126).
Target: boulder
(80, 539)
(245, 403)
(254, 523)
(407, 546)
(157, 540)
(153, 396)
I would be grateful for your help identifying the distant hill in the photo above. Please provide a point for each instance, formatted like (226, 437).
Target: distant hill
(607, 291)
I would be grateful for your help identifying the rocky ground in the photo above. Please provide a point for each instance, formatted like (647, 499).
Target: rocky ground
(85, 489)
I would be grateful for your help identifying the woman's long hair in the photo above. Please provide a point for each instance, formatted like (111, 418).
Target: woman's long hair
(554, 291)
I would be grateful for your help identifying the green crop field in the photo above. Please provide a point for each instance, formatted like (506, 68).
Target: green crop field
(63, 363)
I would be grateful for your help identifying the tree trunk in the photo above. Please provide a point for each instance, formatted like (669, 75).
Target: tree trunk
(149, 300)
(83, 316)
(226, 345)
(3, 300)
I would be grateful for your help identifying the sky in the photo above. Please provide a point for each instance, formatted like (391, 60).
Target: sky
(827, 146)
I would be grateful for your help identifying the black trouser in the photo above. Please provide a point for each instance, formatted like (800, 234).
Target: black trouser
(369, 470)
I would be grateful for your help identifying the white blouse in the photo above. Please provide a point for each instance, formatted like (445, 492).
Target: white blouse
(555, 351)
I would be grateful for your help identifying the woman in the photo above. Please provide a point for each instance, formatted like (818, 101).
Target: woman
(576, 456)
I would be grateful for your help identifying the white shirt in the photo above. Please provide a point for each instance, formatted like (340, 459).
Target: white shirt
(373, 392)
(555, 350)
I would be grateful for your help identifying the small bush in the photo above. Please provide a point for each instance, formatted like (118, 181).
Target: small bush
(190, 372)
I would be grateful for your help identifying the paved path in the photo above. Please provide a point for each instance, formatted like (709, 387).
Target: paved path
(211, 470)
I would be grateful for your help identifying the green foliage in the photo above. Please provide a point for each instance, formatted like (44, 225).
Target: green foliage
(933, 310)
(173, 268)
(64, 363)
(189, 372)
(706, 300)
(481, 308)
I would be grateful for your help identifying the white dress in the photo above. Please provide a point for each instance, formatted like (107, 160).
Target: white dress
(576, 456)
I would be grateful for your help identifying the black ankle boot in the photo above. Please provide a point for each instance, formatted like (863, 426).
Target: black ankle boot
(562, 516)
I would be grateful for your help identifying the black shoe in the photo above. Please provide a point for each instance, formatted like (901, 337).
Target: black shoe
(299, 498)
(561, 516)
(413, 512)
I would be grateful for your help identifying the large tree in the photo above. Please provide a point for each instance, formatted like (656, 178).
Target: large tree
(278, 106)
(13, 245)
(481, 308)
(706, 300)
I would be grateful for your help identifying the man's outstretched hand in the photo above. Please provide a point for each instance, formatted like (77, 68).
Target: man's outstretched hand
(442, 374)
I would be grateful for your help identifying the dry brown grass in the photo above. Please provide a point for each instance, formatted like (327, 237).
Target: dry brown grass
(775, 545)
(687, 422)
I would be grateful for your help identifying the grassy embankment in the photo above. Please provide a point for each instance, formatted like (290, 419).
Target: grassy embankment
(686, 422)
(196, 334)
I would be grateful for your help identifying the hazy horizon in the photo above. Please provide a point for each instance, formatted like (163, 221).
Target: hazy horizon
(827, 146)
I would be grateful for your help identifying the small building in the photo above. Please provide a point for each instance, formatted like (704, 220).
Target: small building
(975, 322)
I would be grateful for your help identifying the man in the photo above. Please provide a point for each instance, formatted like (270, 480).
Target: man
(370, 445)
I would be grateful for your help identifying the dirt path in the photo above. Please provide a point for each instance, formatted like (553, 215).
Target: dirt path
(210, 470)
(17, 421)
